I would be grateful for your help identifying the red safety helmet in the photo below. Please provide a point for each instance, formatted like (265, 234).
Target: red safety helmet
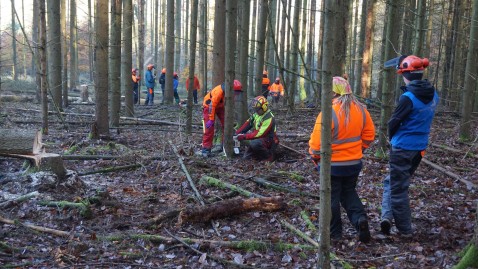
(237, 85)
(175, 74)
(412, 63)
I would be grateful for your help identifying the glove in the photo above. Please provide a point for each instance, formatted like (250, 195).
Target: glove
(241, 137)
(315, 160)
(209, 124)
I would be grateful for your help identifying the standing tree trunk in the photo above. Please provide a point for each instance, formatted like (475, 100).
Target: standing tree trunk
(328, 44)
(169, 59)
(91, 62)
(282, 54)
(101, 78)
(177, 35)
(244, 56)
(73, 45)
(231, 39)
(127, 57)
(64, 53)
(186, 32)
(156, 31)
(115, 63)
(14, 43)
(294, 63)
(270, 41)
(420, 32)
(54, 51)
(393, 19)
(261, 44)
(141, 36)
(44, 84)
(192, 64)
(303, 92)
(361, 41)
(202, 28)
(36, 56)
(218, 54)
(471, 71)
(310, 50)
(250, 90)
(368, 49)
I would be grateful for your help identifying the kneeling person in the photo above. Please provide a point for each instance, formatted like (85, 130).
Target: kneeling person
(263, 137)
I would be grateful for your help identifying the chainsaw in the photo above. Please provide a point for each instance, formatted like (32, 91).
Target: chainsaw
(237, 145)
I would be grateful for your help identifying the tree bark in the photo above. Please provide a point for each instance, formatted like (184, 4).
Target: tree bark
(127, 57)
(73, 46)
(114, 63)
(43, 66)
(227, 208)
(54, 51)
(64, 53)
(243, 61)
(169, 59)
(14, 141)
(219, 48)
(192, 64)
(294, 57)
(101, 79)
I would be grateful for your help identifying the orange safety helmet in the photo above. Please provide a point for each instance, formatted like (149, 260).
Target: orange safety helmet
(260, 102)
(412, 63)
(163, 71)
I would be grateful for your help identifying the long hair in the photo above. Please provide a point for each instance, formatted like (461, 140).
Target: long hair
(345, 102)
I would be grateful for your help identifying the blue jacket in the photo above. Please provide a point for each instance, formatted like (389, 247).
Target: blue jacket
(175, 85)
(162, 80)
(409, 126)
(149, 79)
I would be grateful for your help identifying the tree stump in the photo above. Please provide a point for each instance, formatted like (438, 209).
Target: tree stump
(84, 93)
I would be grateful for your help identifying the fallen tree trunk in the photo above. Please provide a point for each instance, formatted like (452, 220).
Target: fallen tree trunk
(224, 185)
(231, 207)
(14, 141)
(469, 257)
(469, 185)
(35, 227)
(11, 203)
(16, 98)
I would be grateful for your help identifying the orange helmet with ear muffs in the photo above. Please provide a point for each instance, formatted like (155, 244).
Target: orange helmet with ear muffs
(412, 63)
(260, 102)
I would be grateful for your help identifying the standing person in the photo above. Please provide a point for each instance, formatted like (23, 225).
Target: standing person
(266, 84)
(213, 105)
(263, 138)
(408, 131)
(276, 91)
(196, 88)
(149, 81)
(162, 83)
(135, 78)
(175, 87)
(352, 132)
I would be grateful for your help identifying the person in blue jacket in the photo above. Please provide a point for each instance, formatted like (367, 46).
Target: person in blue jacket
(408, 131)
(175, 87)
(162, 82)
(149, 81)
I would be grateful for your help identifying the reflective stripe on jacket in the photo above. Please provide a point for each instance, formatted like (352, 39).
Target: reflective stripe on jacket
(348, 138)
(214, 99)
(263, 125)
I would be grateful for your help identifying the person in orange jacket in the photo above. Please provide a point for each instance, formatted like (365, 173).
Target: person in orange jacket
(276, 91)
(352, 131)
(213, 105)
(196, 88)
(135, 78)
(266, 84)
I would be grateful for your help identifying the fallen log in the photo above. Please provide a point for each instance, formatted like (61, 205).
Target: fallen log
(35, 227)
(469, 185)
(14, 141)
(229, 208)
(11, 203)
(110, 169)
(276, 186)
(224, 185)
(84, 208)
(16, 98)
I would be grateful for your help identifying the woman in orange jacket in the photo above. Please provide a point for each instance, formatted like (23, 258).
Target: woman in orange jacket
(352, 131)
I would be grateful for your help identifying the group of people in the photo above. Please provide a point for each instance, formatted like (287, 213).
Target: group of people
(150, 82)
(353, 131)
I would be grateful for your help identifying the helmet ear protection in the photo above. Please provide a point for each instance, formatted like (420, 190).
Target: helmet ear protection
(412, 63)
(261, 102)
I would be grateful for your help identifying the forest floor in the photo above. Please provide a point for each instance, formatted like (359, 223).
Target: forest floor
(115, 228)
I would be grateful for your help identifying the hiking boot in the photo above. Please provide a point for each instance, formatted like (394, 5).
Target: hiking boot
(203, 152)
(216, 149)
(363, 231)
(385, 226)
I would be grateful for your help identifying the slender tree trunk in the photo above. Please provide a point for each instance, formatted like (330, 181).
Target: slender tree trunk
(43, 66)
(321, 48)
(127, 57)
(101, 78)
(54, 49)
(270, 47)
(303, 93)
(382, 55)
(252, 53)
(244, 54)
(91, 62)
(36, 54)
(202, 25)
(420, 31)
(218, 56)
(282, 44)
(163, 33)
(73, 45)
(361, 45)
(310, 49)
(177, 35)
(14, 43)
(115, 63)
(393, 17)
(192, 63)
(169, 59)
(261, 43)
(156, 32)
(140, 52)
(470, 77)
(186, 33)
(330, 11)
(447, 65)
(353, 45)
(64, 53)
(368, 50)
(294, 63)
(231, 39)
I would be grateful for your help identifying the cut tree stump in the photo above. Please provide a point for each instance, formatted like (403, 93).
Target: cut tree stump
(27, 144)
(231, 207)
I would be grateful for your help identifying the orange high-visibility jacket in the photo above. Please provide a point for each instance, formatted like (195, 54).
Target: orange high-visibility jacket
(196, 85)
(135, 78)
(348, 138)
(214, 99)
(266, 83)
(278, 88)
